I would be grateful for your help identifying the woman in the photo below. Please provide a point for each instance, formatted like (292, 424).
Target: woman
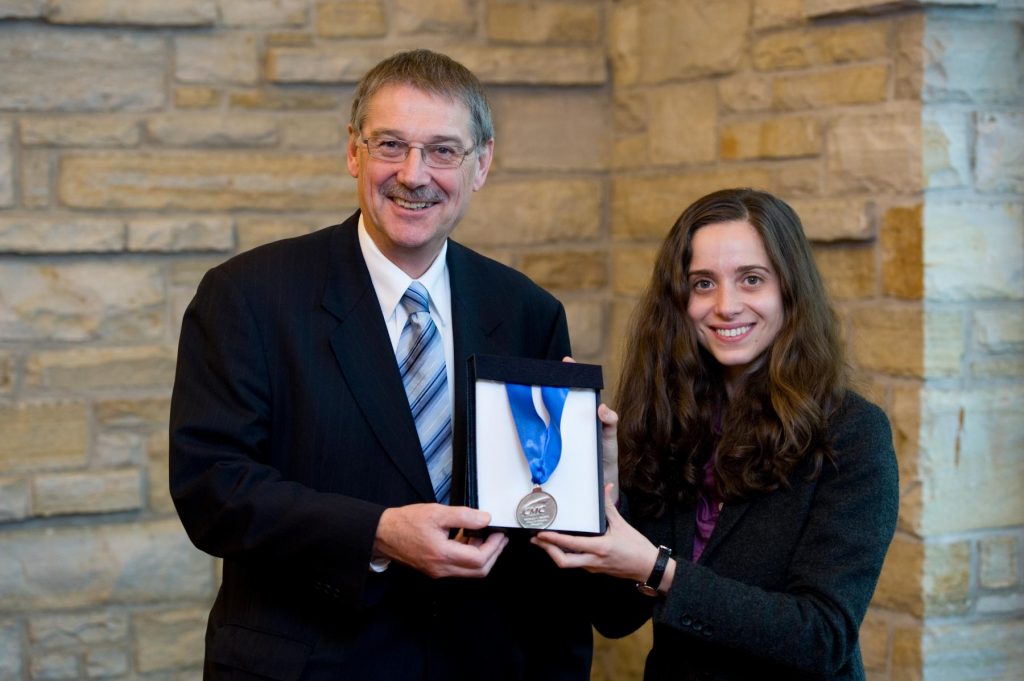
(763, 491)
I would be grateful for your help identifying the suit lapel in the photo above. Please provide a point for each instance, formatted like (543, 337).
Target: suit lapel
(727, 519)
(476, 329)
(363, 349)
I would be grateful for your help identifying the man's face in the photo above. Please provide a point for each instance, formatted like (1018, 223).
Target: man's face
(409, 208)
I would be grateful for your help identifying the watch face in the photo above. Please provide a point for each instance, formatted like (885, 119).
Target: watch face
(646, 590)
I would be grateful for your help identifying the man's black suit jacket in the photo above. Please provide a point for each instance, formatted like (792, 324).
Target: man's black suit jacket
(290, 434)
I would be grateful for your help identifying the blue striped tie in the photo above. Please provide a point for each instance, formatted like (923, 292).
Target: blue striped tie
(420, 356)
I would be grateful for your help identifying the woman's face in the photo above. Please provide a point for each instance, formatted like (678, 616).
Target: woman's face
(735, 298)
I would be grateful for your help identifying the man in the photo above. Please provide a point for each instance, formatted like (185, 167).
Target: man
(295, 452)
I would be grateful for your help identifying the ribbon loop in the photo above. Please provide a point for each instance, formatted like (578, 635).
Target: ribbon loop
(542, 444)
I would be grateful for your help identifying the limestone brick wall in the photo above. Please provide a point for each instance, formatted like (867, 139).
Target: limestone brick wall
(143, 141)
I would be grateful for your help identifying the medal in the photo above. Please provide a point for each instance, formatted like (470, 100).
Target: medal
(537, 510)
(542, 447)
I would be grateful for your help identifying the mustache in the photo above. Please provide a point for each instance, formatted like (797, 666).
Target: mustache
(393, 189)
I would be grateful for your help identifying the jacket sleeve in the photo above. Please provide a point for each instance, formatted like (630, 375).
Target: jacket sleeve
(233, 502)
(811, 624)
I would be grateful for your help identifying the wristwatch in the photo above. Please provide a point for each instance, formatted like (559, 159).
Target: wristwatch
(650, 587)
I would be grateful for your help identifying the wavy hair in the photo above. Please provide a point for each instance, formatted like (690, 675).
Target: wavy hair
(673, 406)
(430, 72)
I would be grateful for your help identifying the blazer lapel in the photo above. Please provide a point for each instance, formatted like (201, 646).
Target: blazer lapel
(727, 519)
(476, 323)
(363, 349)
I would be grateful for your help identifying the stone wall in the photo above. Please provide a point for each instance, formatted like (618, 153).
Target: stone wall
(143, 141)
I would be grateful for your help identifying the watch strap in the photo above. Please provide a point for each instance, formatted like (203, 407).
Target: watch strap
(650, 587)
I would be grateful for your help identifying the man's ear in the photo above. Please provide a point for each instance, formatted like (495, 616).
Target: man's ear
(352, 152)
(484, 156)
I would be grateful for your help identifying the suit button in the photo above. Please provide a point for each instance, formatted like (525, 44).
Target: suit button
(707, 632)
(686, 620)
(697, 626)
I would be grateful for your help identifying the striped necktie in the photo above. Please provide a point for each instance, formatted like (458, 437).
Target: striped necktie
(420, 356)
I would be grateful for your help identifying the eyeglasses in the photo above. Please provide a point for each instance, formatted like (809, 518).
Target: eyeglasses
(434, 155)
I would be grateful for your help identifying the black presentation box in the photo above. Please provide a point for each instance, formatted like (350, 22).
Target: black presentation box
(498, 476)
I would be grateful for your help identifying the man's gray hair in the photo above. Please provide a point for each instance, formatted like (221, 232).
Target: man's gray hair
(433, 73)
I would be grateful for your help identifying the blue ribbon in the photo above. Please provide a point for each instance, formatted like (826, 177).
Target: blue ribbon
(542, 445)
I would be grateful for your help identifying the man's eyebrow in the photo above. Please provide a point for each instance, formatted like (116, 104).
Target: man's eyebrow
(436, 139)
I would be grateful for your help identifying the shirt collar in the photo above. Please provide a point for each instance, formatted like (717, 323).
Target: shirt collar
(390, 282)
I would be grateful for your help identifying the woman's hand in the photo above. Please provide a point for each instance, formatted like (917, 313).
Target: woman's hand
(621, 551)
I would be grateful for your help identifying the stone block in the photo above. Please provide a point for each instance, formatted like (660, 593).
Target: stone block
(312, 131)
(787, 137)
(105, 663)
(566, 269)
(998, 367)
(744, 93)
(624, 41)
(287, 100)
(908, 65)
(344, 63)
(530, 212)
(6, 164)
(586, 328)
(974, 651)
(840, 86)
(196, 97)
(51, 666)
(351, 18)
(714, 32)
(875, 153)
(159, 474)
(971, 444)
(999, 330)
(87, 567)
(99, 70)
(166, 640)
(205, 180)
(86, 369)
(901, 241)
(536, 131)
(444, 17)
(797, 178)
(972, 61)
(79, 131)
(999, 152)
(551, 23)
(947, 578)
(1000, 604)
(889, 338)
(834, 219)
(906, 654)
(947, 156)
(39, 437)
(212, 130)
(15, 502)
(170, 235)
(11, 660)
(849, 270)
(36, 173)
(776, 13)
(147, 414)
(22, 9)
(646, 206)
(263, 13)
(874, 642)
(944, 341)
(133, 12)
(682, 125)
(71, 234)
(217, 58)
(905, 418)
(962, 234)
(632, 267)
(802, 48)
(81, 301)
(623, 658)
(87, 492)
(899, 585)
(256, 231)
(119, 448)
(998, 561)
(6, 373)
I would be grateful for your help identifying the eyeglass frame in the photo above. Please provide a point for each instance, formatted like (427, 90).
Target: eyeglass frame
(409, 146)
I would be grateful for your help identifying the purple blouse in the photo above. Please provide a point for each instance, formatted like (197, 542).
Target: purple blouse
(708, 508)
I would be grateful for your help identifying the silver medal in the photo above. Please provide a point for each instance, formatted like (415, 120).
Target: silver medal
(537, 510)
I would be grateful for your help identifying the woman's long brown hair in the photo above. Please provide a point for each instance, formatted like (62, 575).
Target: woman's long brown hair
(672, 391)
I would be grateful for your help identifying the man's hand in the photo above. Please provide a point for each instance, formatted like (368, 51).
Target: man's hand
(417, 535)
